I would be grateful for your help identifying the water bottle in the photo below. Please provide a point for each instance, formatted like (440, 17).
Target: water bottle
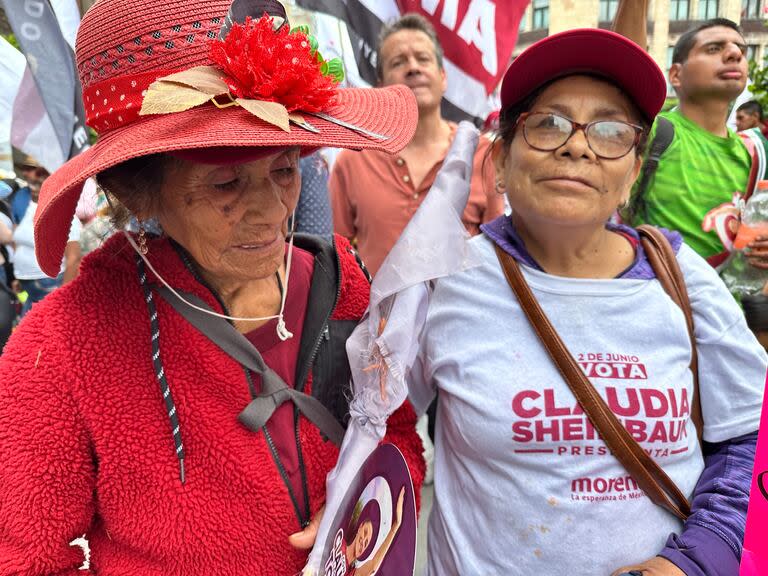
(739, 275)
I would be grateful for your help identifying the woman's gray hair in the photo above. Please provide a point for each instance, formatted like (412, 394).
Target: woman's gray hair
(133, 187)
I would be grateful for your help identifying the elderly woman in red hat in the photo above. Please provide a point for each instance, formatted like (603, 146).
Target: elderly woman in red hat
(568, 399)
(180, 401)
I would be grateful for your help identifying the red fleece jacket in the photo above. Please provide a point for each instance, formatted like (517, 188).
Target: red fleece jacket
(86, 447)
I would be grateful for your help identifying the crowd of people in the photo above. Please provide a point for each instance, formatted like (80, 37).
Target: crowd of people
(175, 382)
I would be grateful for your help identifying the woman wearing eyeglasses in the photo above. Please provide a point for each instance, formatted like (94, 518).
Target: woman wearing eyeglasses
(523, 483)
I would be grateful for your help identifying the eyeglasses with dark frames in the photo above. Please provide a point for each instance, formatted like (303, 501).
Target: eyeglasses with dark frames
(608, 139)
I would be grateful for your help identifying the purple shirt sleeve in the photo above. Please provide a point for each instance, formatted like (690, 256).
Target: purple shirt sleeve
(710, 544)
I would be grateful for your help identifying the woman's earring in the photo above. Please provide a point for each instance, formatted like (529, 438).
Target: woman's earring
(500, 187)
(143, 240)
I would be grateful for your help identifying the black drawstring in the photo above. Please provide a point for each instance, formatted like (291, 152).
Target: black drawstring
(158, 363)
(158, 366)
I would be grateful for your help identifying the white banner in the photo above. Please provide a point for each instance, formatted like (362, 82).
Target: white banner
(68, 14)
(32, 131)
(12, 65)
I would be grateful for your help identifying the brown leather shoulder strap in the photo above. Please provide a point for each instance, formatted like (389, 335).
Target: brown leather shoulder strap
(664, 263)
(648, 474)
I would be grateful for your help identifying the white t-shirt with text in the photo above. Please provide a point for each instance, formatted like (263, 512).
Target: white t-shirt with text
(523, 485)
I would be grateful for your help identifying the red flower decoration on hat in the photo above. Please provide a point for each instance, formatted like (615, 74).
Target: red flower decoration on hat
(262, 63)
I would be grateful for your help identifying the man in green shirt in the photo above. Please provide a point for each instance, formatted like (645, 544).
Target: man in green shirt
(707, 165)
(695, 185)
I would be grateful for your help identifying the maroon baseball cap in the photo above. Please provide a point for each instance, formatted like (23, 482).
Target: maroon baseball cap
(589, 51)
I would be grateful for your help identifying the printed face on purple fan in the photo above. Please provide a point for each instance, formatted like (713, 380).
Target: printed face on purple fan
(362, 538)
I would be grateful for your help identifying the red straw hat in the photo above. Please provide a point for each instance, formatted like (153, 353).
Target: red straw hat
(591, 51)
(124, 49)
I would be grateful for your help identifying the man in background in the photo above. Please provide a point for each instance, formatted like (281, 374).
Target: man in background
(706, 167)
(750, 115)
(374, 194)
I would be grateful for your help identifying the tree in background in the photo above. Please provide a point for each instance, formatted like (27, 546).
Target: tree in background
(11, 40)
(759, 75)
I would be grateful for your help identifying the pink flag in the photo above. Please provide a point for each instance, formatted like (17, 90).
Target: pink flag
(754, 557)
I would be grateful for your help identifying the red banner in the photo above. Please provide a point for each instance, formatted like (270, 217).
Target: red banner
(477, 35)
